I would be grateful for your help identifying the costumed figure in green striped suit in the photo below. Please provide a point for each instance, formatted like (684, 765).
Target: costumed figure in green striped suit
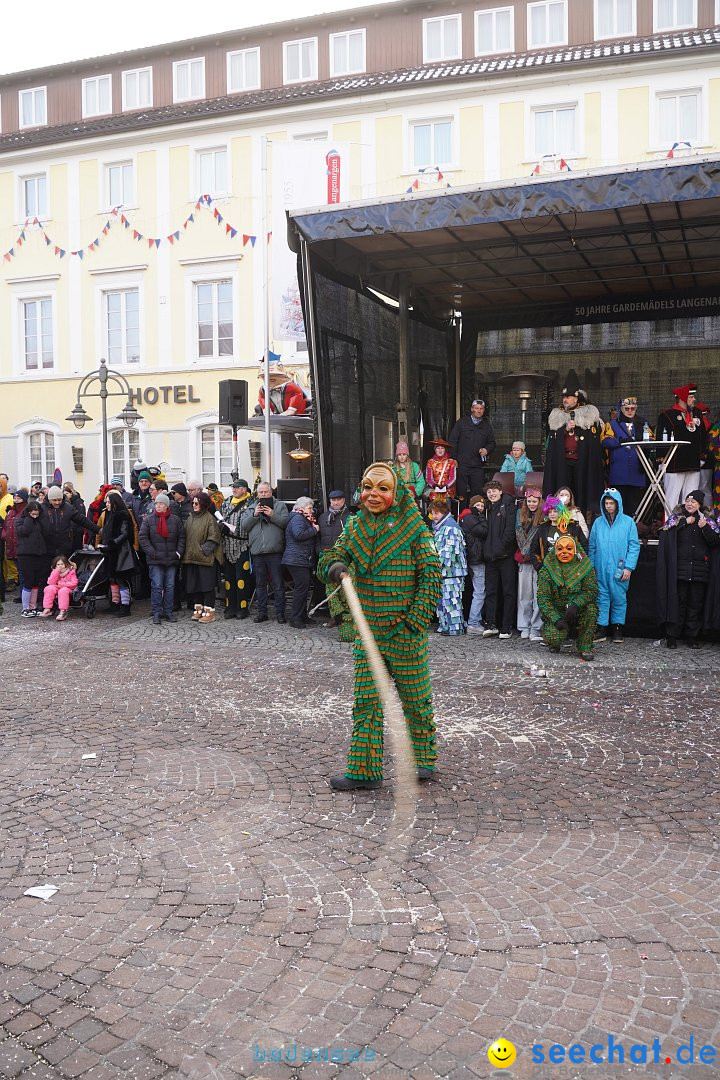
(567, 596)
(396, 571)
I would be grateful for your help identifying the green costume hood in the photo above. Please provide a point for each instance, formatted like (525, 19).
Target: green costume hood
(567, 575)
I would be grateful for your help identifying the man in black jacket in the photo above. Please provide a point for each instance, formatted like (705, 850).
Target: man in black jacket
(688, 569)
(472, 441)
(500, 571)
(61, 521)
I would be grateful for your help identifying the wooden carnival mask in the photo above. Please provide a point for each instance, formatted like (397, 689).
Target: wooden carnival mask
(378, 488)
(565, 549)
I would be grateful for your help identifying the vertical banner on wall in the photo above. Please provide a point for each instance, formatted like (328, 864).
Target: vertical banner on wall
(304, 174)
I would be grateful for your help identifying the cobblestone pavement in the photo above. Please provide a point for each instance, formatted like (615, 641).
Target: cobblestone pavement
(217, 900)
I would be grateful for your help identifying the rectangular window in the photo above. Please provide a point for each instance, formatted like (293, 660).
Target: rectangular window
(555, 130)
(35, 196)
(347, 53)
(32, 107)
(137, 88)
(300, 60)
(614, 18)
(119, 184)
(189, 79)
(442, 38)
(42, 457)
(243, 70)
(97, 96)
(547, 24)
(212, 172)
(122, 326)
(125, 448)
(432, 143)
(494, 31)
(675, 14)
(37, 334)
(214, 318)
(678, 118)
(216, 455)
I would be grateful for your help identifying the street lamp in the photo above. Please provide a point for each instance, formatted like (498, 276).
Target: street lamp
(129, 414)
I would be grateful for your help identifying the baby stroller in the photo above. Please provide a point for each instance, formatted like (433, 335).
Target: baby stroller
(93, 582)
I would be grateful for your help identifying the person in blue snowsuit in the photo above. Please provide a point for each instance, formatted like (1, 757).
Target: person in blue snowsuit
(614, 550)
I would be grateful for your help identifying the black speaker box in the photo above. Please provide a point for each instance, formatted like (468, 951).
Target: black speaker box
(293, 488)
(233, 404)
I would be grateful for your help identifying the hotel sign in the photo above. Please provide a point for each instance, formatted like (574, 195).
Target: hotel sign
(170, 395)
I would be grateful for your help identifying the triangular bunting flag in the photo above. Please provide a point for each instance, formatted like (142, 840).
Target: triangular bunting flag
(48, 241)
(176, 234)
(215, 213)
(233, 233)
(157, 242)
(170, 239)
(245, 239)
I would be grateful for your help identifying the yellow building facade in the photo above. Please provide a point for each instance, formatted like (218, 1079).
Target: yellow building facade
(169, 287)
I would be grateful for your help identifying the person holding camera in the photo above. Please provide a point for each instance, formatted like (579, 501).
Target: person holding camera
(264, 522)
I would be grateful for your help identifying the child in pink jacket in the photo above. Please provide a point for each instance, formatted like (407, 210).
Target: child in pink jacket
(60, 584)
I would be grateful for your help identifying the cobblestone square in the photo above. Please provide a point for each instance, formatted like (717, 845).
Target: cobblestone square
(219, 906)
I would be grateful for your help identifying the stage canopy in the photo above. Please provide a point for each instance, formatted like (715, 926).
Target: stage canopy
(639, 243)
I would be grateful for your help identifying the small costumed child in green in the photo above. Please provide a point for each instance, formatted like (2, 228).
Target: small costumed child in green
(396, 572)
(567, 597)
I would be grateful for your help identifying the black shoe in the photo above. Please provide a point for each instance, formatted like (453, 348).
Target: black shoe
(671, 643)
(600, 634)
(309, 622)
(172, 617)
(229, 614)
(124, 611)
(423, 773)
(260, 618)
(243, 614)
(280, 619)
(693, 643)
(587, 655)
(617, 636)
(17, 600)
(346, 783)
(296, 625)
(157, 619)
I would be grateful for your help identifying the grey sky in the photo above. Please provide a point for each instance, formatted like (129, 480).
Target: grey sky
(59, 31)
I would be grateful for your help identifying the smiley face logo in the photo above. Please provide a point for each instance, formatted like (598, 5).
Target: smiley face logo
(502, 1053)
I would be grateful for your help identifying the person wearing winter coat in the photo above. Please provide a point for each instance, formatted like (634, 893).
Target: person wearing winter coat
(518, 463)
(528, 520)
(614, 551)
(63, 523)
(450, 546)
(332, 522)
(18, 503)
(626, 473)
(574, 455)
(500, 573)
(60, 585)
(474, 525)
(688, 572)
(472, 441)
(265, 521)
(33, 555)
(237, 573)
(116, 543)
(203, 552)
(75, 500)
(299, 556)
(162, 539)
(408, 469)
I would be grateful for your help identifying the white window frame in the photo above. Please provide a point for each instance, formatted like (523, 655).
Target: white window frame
(657, 28)
(112, 360)
(546, 44)
(615, 32)
(312, 77)
(98, 79)
(23, 213)
(46, 474)
(215, 191)
(220, 432)
(130, 196)
(563, 151)
(216, 357)
(427, 59)
(494, 12)
(181, 63)
(421, 121)
(40, 371)
(141, 104)
(34, 122)
(246, 85)
(334, 74)
(699, 94)
(115, 427)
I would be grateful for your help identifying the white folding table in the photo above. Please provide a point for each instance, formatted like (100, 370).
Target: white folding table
(655, 470)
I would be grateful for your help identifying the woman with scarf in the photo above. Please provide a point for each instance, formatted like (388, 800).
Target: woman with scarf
(162, 538)
(408, 470)
(567, 597)
(396, 571)
(203, 551)
(116, 542)
(528, 520)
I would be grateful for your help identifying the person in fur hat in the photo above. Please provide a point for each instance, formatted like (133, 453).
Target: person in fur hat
(683, 423)
(574, 455)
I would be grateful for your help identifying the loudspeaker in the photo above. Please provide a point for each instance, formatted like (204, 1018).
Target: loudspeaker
(233, 404)
(290, 489)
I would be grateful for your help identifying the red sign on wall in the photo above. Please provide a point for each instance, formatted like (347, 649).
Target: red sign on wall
(333, 177)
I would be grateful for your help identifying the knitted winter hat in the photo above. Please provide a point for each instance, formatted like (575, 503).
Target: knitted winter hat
(162, 498)
(55, 493)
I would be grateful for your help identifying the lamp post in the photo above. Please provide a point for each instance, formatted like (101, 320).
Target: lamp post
(129, 414)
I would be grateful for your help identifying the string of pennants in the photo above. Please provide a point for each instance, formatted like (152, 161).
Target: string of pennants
(118, 216)
(429, 170)
(679, 146)
(560, 164)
